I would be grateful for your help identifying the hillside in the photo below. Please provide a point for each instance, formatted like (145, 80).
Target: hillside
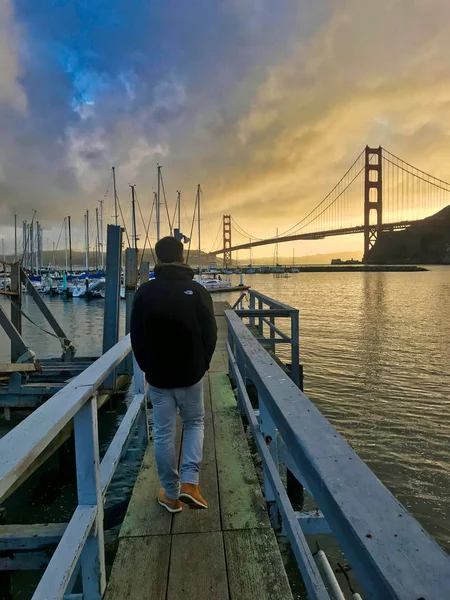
(426, 243)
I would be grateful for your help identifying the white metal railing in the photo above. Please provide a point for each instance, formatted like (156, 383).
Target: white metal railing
(82, 542)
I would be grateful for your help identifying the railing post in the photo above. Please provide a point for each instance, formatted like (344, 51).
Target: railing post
(252, 307)
(130, 291)
(112, 295)
(269, 432)
(272, 335)
(89, 493)
(260, 319)
(295, 351)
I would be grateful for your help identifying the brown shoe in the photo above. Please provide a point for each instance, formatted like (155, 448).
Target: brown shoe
(171, 504)
(190, 495)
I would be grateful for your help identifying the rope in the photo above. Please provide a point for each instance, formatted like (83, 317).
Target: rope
(165, 202)
(147, 230)
(192, 229)
(62, 340)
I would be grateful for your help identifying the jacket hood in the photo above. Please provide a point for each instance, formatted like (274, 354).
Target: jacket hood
(174, 270)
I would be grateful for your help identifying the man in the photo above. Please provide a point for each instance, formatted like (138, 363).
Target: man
(173, 335)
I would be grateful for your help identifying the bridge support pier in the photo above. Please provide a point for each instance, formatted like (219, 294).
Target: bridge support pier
(373, 197)
(226, 240)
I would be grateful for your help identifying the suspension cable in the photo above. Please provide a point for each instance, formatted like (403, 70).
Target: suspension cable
(243, 232)
(324, 200)
(419, 177)
(413, 167)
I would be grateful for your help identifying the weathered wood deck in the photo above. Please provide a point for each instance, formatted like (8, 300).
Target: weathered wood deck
(227, 552)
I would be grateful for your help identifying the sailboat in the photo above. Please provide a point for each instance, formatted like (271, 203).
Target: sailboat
(250, 270)
(213, 282)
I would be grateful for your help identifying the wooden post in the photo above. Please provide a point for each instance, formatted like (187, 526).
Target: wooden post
(130, 291)
(90, 494)
(252, 307)
(112, 295)
(295, 350)
(272, 346)
(16, 306)
(260, 319)
(144, 275)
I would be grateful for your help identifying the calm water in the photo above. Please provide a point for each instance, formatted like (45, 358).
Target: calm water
(375, 349)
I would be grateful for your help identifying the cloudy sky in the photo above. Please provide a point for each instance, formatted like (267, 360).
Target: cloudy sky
(264, 103)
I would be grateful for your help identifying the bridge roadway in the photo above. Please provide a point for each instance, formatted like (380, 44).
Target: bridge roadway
(227, 552)
(318, 235)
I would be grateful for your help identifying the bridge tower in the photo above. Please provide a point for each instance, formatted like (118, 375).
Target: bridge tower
(373, 197)
(226, 240)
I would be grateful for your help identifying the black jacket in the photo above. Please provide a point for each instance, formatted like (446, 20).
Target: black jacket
(173, 329)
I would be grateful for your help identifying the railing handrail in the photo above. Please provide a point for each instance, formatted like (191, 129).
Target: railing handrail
(271, 301)
(20, 447)
(391, 554)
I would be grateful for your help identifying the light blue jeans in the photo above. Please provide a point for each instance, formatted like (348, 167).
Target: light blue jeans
(165, 404)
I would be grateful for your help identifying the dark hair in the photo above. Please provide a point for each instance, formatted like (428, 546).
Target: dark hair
(169, 250)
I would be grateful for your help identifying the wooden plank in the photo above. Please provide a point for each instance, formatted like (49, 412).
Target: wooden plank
(219, 363)
(255, 567)
(391, 554)
(31, 537)
(241, 500)
(17, 368)
(144, 515)
(207, 395)
(197, 567)
(203, 520)
(140, 569)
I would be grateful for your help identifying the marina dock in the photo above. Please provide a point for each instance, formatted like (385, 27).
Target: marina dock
(226, 552)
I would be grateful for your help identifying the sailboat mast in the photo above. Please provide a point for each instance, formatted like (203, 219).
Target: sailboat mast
(70, 244)
(24, 244)
(158, 205)
(15, 237)
(86, 220)
(37, 246)
(100, 242)
(276, 256)
(97, 245)
(133, 219)
(65, 240)
(199, 231)
(116, 214)
(179, 209)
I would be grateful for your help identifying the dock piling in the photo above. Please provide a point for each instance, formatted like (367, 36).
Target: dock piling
(112, 294)
(130, 291)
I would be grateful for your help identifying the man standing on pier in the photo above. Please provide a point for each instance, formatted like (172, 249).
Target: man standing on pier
(173, 335)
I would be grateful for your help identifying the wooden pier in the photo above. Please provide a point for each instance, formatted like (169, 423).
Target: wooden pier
(226, 552)
(229, 551)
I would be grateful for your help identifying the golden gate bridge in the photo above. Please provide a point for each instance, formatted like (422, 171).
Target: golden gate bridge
(379, 192)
